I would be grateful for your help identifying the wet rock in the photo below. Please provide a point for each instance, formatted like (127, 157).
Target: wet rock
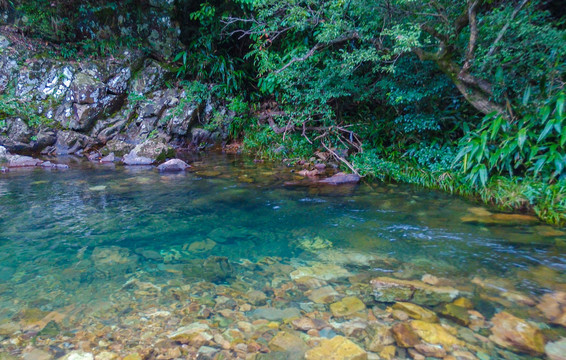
(256, 297)
(381, 338)
(133, 356)
(393, 290)
(516, 334)
(404, 335)
(456, 313)
(337, 348)
(214, 269)
(431, 350)
(288, 342)
(321, 271)
(106, 355)
(461, 355)
(113, 260)
(118, 84)
(435, 334)
(306, 324)
(37, 354)
(202, 246)
(117, 147)
(354, 328)
(70, 142)
(553, 306)
(464, 302)
(22, 161)
(110, 158)
(207, 353)
(500, 219)
(416, 312)
(196, 334)
(348, 306)
(430, 279)
(388, 352)
(323, 295)
(9, 329)
(274, 314)
(340, 179)
(556, 350)
(173, 165)
(153, 149)
(132, 159)
(78, 355)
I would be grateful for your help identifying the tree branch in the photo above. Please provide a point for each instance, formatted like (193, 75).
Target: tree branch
(470, 52)
(317, 47)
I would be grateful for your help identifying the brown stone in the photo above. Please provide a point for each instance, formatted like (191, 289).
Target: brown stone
(288, 342)
(404, 335)
(516, 334)
(416, 312)
(435, 334)
(431, 350)
(323, 295)
(348, 306)
(553, 306)
(337, 348)
(388, 352)
(382, 338)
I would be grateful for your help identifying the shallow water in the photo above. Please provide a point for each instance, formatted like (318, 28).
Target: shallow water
(80, 242)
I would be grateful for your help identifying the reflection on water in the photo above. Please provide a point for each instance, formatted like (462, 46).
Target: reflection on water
(96, 247)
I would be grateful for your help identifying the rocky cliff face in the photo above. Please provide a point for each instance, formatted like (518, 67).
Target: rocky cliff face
(122, 105)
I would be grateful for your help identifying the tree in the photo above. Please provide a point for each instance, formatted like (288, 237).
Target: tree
(469, 41)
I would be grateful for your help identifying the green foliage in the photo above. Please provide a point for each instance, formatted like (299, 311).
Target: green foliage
(533, 145)
(13, 107)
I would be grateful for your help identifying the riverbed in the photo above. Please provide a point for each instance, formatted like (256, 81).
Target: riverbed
(236, 259)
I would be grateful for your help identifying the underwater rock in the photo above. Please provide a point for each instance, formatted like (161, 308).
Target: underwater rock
(340, 179)
(274, 314)
(213, 269)
(113, 260)
(78, 355)
(456, 313)
(306, 324)
(392, 290)
(196, 334)
(516, 334)
(435, 334)
(288, 342)
(382, 337)
(206, 353)
(553, 306)
(256, 297)
(500, 219)
(556, 350)
(314, 244)
(348, 306)
(416, 312)
(336, 348)
(202, 246)
(321, 271)
(323, 295)
(36, 354)
(173, 165)
(404, 335)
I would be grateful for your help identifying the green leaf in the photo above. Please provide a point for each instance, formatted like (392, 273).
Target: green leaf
(526, 95)
(522, 137)
(495, 127)
(545, 132)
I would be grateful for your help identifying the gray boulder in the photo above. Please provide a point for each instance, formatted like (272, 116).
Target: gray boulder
(340, 179)
(173, 165)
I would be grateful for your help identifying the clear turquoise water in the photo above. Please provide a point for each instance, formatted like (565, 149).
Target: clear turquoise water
(53, 222)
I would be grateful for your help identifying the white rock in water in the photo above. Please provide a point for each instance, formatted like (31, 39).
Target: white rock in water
(78, 355)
